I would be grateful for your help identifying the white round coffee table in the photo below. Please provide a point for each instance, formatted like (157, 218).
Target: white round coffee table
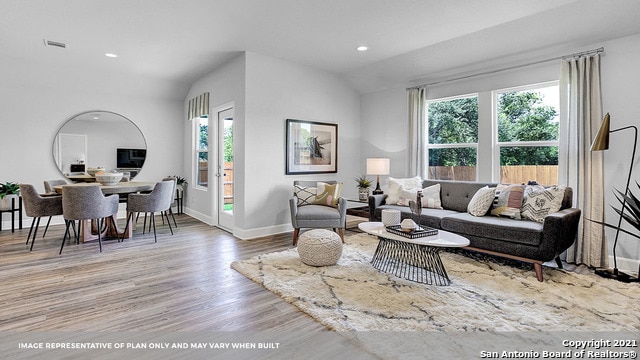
(415, 259)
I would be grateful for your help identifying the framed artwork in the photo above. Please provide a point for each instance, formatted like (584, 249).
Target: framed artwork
(312, 147)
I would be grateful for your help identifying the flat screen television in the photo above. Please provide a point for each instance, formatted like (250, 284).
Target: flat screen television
(130, 158)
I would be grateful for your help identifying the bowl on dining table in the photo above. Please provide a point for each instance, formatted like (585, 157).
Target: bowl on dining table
(108, 178)
(92, 171)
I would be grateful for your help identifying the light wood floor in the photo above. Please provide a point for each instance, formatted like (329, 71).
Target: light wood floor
(181, 283)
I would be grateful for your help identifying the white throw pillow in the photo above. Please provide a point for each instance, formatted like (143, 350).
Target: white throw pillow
(430, 197)
(305, 195)
(481, 201)
(396, 186)
(540, 203)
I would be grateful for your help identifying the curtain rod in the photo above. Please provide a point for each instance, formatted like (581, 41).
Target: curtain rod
(575, 55)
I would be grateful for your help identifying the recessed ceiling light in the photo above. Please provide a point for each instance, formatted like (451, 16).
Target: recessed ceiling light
(111, 55)
(362, 48)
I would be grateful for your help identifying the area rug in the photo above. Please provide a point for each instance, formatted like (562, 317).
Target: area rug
(484, 296)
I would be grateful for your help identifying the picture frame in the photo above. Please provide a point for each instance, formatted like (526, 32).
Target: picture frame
(312, 147)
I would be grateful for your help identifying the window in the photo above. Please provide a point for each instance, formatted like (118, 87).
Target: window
(201, 130)
(527, 143)
(452, 139)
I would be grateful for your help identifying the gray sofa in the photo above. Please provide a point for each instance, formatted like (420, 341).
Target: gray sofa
(522, 240)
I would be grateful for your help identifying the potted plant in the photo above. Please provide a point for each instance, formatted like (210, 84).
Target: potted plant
(8, 191)
(363, 187)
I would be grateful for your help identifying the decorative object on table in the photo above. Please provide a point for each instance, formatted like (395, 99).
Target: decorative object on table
(416, 206)
(93, 171)
(8, 191)
(363, 187)
(312, 147)
(601, 142)
(390, 217)
(408, 225)
(108, 178)
(377, 167)
(319, 247)
(418, 232)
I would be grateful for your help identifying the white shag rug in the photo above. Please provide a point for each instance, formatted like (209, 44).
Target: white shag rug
(483, 295)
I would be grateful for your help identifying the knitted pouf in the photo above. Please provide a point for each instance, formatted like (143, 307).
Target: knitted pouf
(319, 247)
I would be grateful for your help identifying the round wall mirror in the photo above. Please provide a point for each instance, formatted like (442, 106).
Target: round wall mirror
(98, 139)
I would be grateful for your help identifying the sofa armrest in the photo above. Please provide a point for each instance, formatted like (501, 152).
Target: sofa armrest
(560, 229)
(374, 202)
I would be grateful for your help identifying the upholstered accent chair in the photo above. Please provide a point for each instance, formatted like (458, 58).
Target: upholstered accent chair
(87, 203)
(314, 216)
(37, 206)
(158, 200)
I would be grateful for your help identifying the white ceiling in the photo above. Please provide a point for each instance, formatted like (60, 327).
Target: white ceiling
(178, 41)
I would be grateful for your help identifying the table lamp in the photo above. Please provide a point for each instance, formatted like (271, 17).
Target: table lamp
(378, 166)
(601, 142)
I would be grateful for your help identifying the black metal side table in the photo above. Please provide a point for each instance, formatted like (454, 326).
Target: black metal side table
(13, 211)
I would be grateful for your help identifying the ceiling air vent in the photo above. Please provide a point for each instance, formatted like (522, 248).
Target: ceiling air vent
(54, 43)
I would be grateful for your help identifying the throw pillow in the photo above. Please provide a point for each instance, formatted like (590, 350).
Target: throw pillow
(481, 201)
(508, 200)
(328, 194)
(396, 185)
(305, 195)
(430, 197)
(540, 203)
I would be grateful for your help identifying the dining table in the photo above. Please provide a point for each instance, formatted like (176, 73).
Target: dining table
(89, 229)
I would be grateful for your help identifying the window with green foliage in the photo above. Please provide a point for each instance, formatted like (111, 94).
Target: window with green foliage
(452, 128)
(527, 133)
(202, 151)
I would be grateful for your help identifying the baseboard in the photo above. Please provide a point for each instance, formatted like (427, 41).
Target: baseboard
(262, 232)
(626, 265)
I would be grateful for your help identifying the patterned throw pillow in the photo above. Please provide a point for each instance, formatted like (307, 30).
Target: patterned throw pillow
(508, 200)
(430, 197)
(396, 186)
(328, 194)
(481, 201)
(306, 195)
(539, 203)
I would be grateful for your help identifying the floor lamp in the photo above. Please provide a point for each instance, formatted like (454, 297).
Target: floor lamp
(601, 142)
(378, 166)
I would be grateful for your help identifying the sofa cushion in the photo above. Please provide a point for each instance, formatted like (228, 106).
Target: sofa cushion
(313, 212)
(455, 195)
(430, 197)
(428, 217)
(481, 202)
(540, 202)
(508, 200)
(396, 186)
(517, 231)
(328, 194)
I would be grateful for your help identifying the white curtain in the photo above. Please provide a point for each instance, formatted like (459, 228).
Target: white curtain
(581, 112)
(417, 112)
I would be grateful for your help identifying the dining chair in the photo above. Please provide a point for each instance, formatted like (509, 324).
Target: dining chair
(173, 191)
(158, 200)
(49, 185)
(87, 203)
(37, 206)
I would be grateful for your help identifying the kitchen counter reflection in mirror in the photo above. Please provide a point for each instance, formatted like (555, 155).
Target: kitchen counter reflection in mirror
(98, 139)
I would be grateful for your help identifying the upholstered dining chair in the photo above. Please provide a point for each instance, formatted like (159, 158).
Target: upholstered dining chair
(87, 203)
(314, 216)
(158, 200)
(173, 191)
(49, 185)
(37, 206)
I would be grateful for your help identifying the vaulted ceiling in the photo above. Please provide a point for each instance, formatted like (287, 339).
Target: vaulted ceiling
(177, 41)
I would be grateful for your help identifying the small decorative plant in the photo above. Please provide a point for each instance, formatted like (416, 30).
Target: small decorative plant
(630, 212)
(363, 182)
(180, 180)
(9, 188)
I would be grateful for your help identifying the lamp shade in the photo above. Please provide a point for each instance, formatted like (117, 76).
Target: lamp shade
(601, 141)
(378, 166)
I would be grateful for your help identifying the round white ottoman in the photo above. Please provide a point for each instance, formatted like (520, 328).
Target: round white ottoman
(319, 247)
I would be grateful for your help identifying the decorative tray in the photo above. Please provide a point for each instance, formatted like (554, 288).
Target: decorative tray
(418, 233)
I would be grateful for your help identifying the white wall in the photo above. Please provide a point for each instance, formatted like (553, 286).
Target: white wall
(266, 92)
(384, 120)
(35, 105)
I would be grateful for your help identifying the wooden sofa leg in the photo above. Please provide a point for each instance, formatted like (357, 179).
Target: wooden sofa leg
(295, 236)
(341, 233)
(538, 269)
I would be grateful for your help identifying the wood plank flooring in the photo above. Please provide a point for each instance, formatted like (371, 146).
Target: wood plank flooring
(182, 282)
